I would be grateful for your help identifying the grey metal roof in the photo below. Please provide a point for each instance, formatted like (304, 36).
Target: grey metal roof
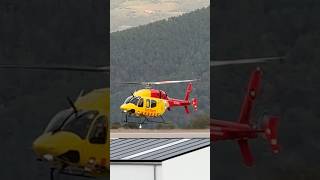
(153, 150)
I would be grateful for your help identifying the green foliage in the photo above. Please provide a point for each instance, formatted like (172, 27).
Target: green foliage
(201, 121)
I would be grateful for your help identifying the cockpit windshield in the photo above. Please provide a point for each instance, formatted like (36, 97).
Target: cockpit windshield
(128, 99)
(80, 124)
(58, 119)
(67, 120)
(132, 99)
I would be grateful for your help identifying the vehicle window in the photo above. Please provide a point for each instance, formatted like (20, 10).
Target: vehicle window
(140, 102)
(128, 100)
(153, 103)
(58, 119)
(80, 123)
(135, 100)
(98, 134)
(148, 103)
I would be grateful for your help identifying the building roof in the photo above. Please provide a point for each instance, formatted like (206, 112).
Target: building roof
(153, 150)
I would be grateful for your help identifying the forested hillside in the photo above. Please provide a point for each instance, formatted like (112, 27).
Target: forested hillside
(172, 49)
(244, 29)
(44, 33)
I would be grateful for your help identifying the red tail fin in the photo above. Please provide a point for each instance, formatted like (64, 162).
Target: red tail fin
(252, 91)
(271, 133)
(246, 152)
(188, 91)
(194, 101)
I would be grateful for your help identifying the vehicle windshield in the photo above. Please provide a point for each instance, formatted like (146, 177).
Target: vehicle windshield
(80, 123)
(132, 99)
(128, 99)
(67, 120)
(58, 119)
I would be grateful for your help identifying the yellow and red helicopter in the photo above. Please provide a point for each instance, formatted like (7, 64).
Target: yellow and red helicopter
(153, 103)
(76, 141)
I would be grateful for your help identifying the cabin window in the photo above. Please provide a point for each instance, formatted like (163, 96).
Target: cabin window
(148, 103)
(153, 103)
(79, 123)
(98, 134)
(140, 102)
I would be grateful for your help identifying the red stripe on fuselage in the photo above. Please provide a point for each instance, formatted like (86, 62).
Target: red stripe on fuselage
(155, 93)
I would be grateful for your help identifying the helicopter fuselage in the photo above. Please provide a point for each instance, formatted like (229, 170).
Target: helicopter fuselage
(152, 103)
(78, 139)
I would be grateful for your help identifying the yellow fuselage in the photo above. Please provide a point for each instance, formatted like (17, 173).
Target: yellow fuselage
(142, 104)
(55, 146)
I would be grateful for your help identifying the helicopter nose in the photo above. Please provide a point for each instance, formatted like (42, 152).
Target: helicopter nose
(124, 108)
(42, 147)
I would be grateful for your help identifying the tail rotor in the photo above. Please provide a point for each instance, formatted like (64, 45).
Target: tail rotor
(271, 133)
(194, 101)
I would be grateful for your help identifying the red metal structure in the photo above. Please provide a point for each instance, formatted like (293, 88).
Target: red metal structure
(243, 130)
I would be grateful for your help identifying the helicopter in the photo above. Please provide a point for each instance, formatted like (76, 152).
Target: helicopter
(243, 130)
(76, 140)
(152, 103)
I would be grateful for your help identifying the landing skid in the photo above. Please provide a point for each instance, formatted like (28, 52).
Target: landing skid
(144, 120)
(54, 171)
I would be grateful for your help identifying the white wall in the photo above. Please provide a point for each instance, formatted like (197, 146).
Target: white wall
(191, 166)
(134, 172)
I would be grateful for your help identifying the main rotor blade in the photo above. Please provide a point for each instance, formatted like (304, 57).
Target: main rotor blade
(160, 82)
(140, 83)
(171, 82)
(245, 61)
(57, 68)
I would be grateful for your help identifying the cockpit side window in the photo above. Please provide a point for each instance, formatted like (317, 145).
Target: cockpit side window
(140, 102)
(80, 123)
(98, 134)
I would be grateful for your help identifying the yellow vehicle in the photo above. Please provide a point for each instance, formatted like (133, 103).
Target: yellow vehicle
(76, 140)
(152, 103)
